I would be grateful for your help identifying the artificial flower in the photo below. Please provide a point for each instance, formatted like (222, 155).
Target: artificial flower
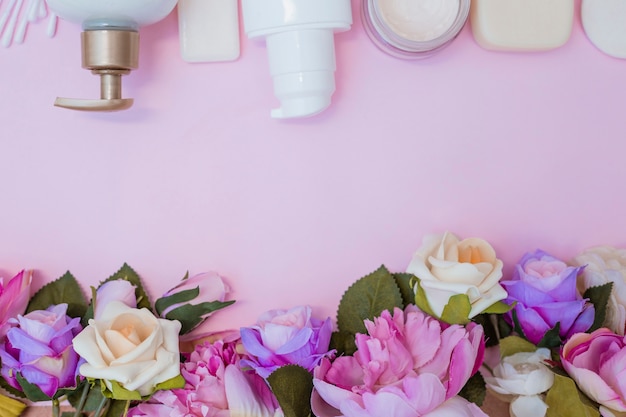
(114, 290)
(544, 292)
(604, 264)
(193, 300)
(447, 266)
(283, 337)
(215, 387)
(597, 362)
(520, 379)
(39, 348)
(409, 363)
(131, 347)
(14, 298)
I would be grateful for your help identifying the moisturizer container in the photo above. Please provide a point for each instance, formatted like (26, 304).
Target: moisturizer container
(299, 35)
(413, 28)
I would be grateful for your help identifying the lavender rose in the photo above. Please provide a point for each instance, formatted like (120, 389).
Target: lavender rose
(40, 349)
(284, 337)
(544, 289)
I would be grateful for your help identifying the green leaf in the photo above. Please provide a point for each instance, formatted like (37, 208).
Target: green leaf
(94, 397)
(403, 281)
(517, 328)
(420, 299)
(190, 315)
(491, 335)
(180, 297)
(514, 344)
(117, 408)
(292, 385)
(499, 308)
(367, 298)
(118, 392)
(475, 389)
(8, 388)
(564, 399)
(599, 297)
(177, 382)
(63, 290)
(551, 339)
(343, 343)
(32, 391)
(457, 310)
(128, 274)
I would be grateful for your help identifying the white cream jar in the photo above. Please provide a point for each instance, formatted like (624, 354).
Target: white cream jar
(413, 28)
(604, 22)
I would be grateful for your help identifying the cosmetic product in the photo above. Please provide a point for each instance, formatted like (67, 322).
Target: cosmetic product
(299, 36)
(208, 30)
(413, 28)
(604, 22)
(110, 43)
(522, 25)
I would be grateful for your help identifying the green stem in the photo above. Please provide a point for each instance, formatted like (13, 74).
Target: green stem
(83, 399)
(55, 408)
(103, 403)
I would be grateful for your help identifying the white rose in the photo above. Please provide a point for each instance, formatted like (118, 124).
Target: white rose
(520, 379)
(130, 346)
(447, 266)
(606, 264)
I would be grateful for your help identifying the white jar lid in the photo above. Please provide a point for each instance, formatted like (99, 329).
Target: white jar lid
(604, 22)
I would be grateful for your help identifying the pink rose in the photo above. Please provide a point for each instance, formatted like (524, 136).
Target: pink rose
(14, 297)
(597, 362)
(402, 357)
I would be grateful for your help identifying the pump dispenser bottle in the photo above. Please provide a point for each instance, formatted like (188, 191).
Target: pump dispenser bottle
(299, 35)
(110, 43)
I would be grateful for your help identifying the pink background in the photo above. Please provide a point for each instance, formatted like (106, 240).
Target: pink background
(524, 150)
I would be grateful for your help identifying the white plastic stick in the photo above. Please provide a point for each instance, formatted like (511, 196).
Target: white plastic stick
(8, 34)
(6, 14)
(20, 33)
(52, 25)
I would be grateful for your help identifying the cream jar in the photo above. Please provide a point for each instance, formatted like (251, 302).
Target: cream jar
(413, 28)
(604, 22)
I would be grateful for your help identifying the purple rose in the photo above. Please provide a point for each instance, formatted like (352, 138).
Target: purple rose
(40, 349)
(284, 337)
(545, 291)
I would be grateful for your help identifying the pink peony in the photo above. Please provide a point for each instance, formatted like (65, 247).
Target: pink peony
(215, 387)
(14, 297)
(409, 364)
(597, 362)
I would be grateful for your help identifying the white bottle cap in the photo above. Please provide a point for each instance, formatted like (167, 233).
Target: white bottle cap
(302, 63)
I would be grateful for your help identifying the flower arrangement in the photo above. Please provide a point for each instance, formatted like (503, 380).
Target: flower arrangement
(431, 341)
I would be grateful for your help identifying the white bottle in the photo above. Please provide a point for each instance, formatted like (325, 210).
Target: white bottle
(604, 22)
(208, 30)
(522, 25)
(300, 45)
(110, 43)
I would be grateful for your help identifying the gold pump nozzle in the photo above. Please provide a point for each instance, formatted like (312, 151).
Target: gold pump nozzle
(109, 54)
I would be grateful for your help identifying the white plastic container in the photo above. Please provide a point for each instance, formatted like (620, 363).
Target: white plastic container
(604, 22)
(208, 30)
(299, 36)
(522, 25)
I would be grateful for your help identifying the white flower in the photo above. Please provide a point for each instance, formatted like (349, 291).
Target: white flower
(520, 379)
(606, 264)
(130, 346)
(447, 266)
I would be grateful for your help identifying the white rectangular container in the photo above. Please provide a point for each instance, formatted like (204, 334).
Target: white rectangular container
(208, 30)
(522, 25)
